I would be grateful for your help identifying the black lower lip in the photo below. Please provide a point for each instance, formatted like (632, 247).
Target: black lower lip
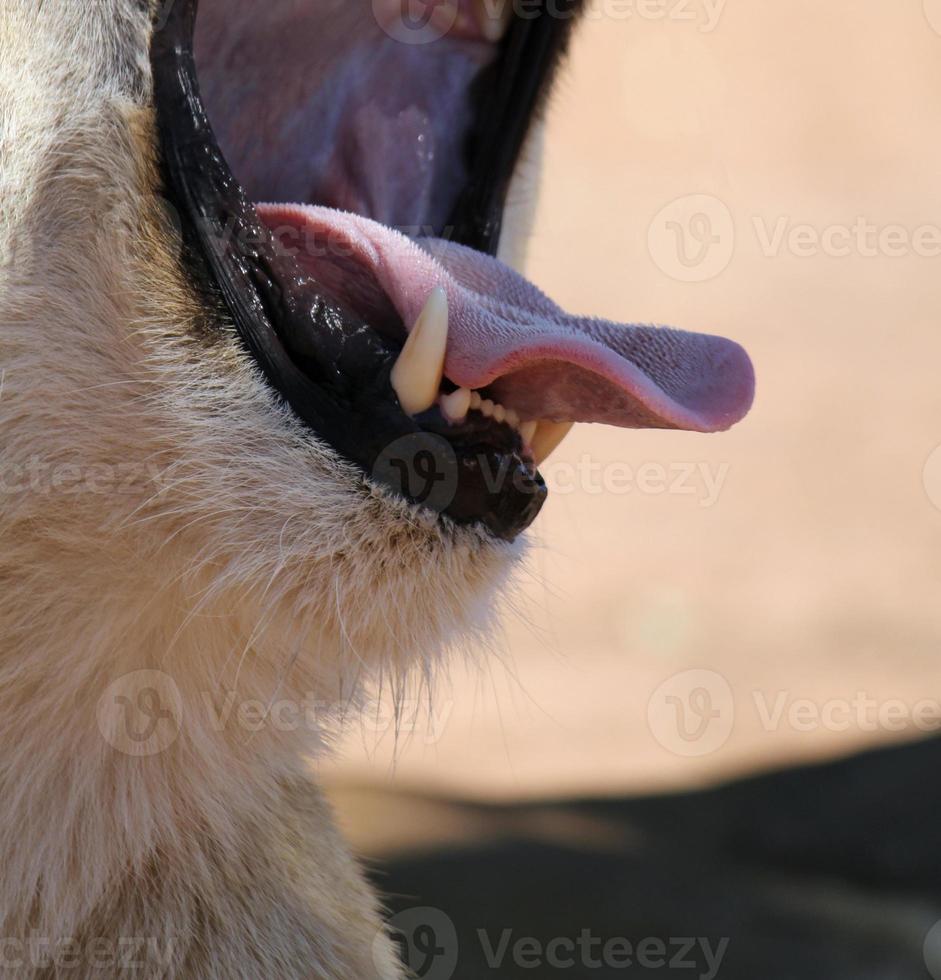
(314, 353)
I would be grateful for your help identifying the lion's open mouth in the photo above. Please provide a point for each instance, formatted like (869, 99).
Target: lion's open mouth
(371, 298)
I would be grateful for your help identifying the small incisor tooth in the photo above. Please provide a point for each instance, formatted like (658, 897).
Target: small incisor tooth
(416, 376)
(547, 438)
(456, 405)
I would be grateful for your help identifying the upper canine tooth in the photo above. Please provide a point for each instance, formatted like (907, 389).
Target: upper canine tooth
(416, 376)
(456, 405)
(547, 438)
(493, 17)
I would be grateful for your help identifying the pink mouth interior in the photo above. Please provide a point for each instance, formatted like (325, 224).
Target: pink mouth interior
(509, 337)
(332, 110)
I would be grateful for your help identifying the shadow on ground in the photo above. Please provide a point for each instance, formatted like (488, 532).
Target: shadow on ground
(824, 873)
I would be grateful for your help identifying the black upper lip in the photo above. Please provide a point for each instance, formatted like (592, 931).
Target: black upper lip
(321, 358)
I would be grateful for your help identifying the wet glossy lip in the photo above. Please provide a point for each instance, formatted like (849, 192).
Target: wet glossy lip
(329, 365)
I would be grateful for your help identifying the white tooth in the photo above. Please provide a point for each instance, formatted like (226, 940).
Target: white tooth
(499, 413)
(527, 431)
(487, 407)
(547, 438)
(417, 374)
(456, 405)
(476, 400)
(493, 17)
(512, 418)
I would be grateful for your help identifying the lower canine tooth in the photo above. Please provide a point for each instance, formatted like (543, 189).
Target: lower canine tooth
(416, 376)
(456, 405)
(547, 438)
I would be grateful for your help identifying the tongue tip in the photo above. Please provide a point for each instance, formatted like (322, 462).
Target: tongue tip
(586, 382)
(728, 390)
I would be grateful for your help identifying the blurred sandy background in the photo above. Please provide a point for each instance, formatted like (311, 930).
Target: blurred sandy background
(812, 573)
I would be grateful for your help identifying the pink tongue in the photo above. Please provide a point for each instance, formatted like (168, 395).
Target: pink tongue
(504, 333)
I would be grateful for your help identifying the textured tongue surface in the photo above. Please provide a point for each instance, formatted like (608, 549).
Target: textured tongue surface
(506, 334)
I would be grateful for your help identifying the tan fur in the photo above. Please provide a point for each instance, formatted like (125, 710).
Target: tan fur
(160, 511)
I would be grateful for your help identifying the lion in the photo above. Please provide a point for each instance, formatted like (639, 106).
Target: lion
(272, 410)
